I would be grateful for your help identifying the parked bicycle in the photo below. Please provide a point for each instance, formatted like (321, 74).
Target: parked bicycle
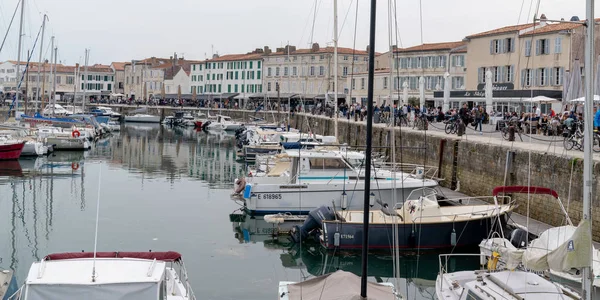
(451, 125)
(574, 137)
(505, 130)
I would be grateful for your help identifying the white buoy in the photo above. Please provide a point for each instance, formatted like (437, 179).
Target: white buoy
(344, 201)
(372, 199)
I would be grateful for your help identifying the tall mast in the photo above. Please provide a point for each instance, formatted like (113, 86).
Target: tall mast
(18, 79)
(26, 85)
(37, 85)
(365, 241)
(85, 72)
(289, 108)
(587, 276)
(335, 67)
(51, 70)
(54, 82)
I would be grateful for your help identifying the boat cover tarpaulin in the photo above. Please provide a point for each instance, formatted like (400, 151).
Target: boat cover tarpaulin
(337, 285)
(162, 256)
(518, 189)
(115, 291)
(560, 249)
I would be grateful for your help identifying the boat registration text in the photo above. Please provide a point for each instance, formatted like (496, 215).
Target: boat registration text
(269, 196)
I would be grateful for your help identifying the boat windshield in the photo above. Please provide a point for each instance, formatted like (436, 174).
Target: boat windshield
(355, 163)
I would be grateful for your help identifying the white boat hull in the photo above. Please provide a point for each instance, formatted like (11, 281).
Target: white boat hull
(32, 148)
(145, 119)
(63, 143)
(302, 198)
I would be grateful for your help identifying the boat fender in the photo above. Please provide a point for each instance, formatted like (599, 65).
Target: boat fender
(453, 238)
(74, 166)
(239, 185)
(247, 191)
(336, 239)
(75, 133)
(344, 201)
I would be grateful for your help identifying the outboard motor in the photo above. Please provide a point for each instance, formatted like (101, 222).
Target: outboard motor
(518, 238)
(313, 221)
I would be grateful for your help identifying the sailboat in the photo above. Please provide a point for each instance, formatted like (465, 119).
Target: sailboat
(342, 284)
(575, 252)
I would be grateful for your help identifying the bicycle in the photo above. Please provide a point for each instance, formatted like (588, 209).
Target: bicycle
(506, 132)
(451, 126)
(574, 138)
(420, 122)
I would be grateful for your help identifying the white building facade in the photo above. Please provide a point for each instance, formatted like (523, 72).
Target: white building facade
(232, 73)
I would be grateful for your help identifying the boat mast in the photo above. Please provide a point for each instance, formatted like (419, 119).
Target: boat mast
(587, 274)
(289, 108)
(365, 241)
(54, 82)
(18, 79)
(335, 67)
(51, 70)
(37, 85)
(26, 83)
(85, 72)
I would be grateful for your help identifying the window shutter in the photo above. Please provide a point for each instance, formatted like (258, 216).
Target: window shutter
(453, 61)
(551, 77)
(522, 78)
(512, 45)
(561, 75)
(537, 47)
(492, 46)
(548, 76)
(500, 74)
(547, 47)
(479, 75)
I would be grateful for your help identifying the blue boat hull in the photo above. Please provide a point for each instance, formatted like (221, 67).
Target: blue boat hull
(411, 236)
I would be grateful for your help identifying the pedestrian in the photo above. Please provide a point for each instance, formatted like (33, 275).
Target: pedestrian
(479, 119)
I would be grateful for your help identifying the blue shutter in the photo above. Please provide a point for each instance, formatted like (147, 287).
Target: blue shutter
(547, 46)
(537, 47)
(551, 77)
(548, 71)
(501, 45)
(512, 73)
(561, 76)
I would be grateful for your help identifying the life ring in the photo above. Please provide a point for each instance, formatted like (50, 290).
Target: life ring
(240, 184)
(74, 166)
(75, 133)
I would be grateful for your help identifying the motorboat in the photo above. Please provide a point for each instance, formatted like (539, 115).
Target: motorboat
(63, 139)
(298, 181)
(63, 121)
(8, 283)
(11, 149)
(107, 275)
(52, 110)
(418, 223)
(105, 111)
(114, 125)
(142, 118)
(224, 123)
(74, 109)
(34, 146)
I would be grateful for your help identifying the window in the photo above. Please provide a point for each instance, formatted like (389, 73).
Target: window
(138, 80)
(58, 79)
(345, 57)
(235, 88)
(312, 71)
(509, 45)
(251, 65)
(243, 75)
(219, 88)
(472, 296)
(542, 47)
(109, 87)
(526, 75)
(322, 57)
(353, 83)
(294, 71)
(458, 82)
(404, 63)
(194, 67)
(558, 45)
(277, 71)
(496, 46)
(496, 74)
(542, 76)
(481, 75)
(321, 70)
(285, 71)
(443, 60)
(385, 83)
(268, 86)
(345, 71)
(243, 88)
(257, 74)
(413, 83)
(413, 62)
(556, 76)
(362, 83)
(508, 73)
(458, 61)
(269, 71)
(528, 48)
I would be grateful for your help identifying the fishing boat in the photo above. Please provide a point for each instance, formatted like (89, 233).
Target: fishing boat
(11, 149)
(107, 275)
(319, 177)
(420, 223)
(224, 123)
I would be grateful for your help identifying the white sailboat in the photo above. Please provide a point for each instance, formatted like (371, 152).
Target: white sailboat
(224, 123)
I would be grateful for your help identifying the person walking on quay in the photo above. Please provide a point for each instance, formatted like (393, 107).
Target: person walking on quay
(479, 119)
(463, 113)
(597, 118)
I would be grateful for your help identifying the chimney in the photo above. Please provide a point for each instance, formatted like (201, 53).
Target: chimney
(267, 50)
(215, 56)
(543, 19)
(258, 50)
(393, 48)
(175, 55)
(290, 49)
(315, 47)
(279, 49)
(368, 48)
(574, 19)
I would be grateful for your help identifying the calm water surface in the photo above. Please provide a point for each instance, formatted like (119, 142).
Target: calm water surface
(167, 189)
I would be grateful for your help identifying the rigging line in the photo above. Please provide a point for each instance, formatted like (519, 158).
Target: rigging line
(312, 31)
(345, 18)
(306, 23)
(97, 217)
(398, 38)
(9, 26)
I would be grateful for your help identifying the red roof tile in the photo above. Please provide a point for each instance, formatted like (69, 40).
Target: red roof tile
(341, 50)
(502, 30)
(231, 57)
(549, 28)
(119, 66)
(432, 47)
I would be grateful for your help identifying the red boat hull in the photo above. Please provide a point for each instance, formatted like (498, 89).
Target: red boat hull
(198, 124)
(11, 151)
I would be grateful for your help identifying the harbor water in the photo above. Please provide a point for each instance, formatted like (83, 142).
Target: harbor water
(164, 189)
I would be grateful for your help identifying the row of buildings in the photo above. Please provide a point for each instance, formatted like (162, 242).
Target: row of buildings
(525, 60)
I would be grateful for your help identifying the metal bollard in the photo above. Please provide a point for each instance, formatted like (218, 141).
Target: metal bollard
(511, 133)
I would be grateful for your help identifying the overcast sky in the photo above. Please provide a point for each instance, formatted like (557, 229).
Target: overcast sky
(121, 30)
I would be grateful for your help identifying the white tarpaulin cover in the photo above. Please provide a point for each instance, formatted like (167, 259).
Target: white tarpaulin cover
(337, 286)
(509, 254)
(121, 291)
(560, 249)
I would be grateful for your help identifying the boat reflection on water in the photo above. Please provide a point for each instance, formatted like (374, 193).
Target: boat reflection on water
(10, 168)
(417, 271)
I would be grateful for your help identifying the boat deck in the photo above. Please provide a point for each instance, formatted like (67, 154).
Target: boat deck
(535, 227)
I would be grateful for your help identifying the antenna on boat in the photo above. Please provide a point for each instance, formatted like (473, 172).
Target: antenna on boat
(96, 230)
